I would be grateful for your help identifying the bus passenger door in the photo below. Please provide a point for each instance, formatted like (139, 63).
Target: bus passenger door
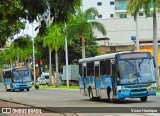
(83, 80)
(114, 83)
(97, 76)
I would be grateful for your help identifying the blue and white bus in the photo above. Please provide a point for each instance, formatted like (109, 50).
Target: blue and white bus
(118, 76)
(17, 79)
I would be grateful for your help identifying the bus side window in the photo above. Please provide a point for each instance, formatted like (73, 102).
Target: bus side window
(90, 69)
(84, 71)
(80, 69)
(7, 74)
(105, 67)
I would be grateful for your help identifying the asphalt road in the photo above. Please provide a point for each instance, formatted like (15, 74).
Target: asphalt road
(52, 99)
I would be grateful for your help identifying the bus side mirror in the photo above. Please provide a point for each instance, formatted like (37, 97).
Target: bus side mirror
(112, 61)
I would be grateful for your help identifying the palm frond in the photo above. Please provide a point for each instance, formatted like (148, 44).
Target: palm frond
(99, 26)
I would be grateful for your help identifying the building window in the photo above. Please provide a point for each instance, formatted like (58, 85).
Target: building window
(112, 3)
(111, 15)
(91, 17)
(99, 16)
(99, 3)
(140, 14)
(121, 5)
(150, 15)
(122, 15)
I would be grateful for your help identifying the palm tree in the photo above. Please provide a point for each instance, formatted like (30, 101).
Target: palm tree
(23, 47)
(134, 6)
(83, 28)
(19, 48)
(9, 55)
(54, 40)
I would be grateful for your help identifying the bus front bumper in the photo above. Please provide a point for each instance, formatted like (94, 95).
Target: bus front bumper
(122, 95)
(22, 86)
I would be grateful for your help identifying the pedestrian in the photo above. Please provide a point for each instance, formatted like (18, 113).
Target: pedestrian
(36, 85)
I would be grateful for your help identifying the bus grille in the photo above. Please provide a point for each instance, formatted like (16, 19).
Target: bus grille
(138, 95)
(138, 90)
(22, 85)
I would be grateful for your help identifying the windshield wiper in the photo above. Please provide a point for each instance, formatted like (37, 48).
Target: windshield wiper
(137, 74)
(140, 63)
(129, 63)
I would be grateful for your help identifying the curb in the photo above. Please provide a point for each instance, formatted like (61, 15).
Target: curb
(53, 111)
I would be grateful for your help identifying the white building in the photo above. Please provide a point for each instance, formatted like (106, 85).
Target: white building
(121, 26)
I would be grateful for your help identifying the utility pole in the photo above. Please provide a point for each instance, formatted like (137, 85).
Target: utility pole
(66, 50)
(50, 62)
(34, 73)
(137, 38)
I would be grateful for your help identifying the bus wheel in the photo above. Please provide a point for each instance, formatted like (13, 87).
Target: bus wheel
(143, 99)
(91, 94)
(28, 89)
(8, 89)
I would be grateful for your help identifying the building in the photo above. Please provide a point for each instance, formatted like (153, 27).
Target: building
(121, 26)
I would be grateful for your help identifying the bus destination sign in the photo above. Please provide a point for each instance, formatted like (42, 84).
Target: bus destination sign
(134, 55)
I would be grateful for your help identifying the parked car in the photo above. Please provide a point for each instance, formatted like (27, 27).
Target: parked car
(41, 80)
(46, 75)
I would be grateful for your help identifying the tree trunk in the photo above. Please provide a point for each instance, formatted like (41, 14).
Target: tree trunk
(11, 63)
(155, 45)
(57, 74)
(83, 50)
(50, 67)
(83, 47)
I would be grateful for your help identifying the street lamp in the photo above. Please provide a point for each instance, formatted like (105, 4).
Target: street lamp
(34, 73)
(137, 38)
(66, 50)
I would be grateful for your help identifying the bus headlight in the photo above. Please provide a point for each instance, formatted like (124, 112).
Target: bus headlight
(14, 84)
(28, 84)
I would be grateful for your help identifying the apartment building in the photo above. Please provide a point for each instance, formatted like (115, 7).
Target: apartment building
(119, 24)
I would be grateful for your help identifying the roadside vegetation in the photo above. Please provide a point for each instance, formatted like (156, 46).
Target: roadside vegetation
(60, 87)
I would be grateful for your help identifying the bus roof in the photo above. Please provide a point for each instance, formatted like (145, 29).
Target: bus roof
(101, 57)
(7, 69)
(17, 68)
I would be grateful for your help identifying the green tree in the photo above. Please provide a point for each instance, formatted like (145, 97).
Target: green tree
(14, 13)
(23, 47)
(133, 7)
(82, 27)
(54, 40)
(20, 49)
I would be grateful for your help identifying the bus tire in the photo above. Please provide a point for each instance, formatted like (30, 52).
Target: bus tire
(28, 89)
(8, 89)
(143, 99)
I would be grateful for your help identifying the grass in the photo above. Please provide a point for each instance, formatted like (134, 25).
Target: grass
(61, 87)
(158, 90)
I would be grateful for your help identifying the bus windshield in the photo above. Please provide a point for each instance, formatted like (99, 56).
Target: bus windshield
(136, 71)
(21, 76)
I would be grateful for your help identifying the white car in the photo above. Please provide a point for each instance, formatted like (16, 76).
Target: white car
(46, 75)
(41, 80)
